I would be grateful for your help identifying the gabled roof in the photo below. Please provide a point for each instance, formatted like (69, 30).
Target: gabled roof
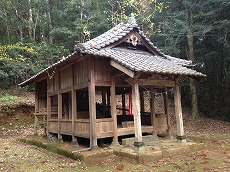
(107, 45)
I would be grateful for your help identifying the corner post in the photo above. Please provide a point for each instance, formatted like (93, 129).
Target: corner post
(136, 115)
(92, 103)
(113, 111)
(178, 111)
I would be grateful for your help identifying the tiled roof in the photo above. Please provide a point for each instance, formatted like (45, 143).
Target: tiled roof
(133, 59)
(144, 61)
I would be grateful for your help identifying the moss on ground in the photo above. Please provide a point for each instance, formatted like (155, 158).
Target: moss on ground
(53, 148)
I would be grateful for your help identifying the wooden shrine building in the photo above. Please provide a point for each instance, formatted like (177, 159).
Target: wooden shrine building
(120, 62)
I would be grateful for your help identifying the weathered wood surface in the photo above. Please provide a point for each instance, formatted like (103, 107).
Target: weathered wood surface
(131, 130)
(113, 110)
(178, 109)
(136, 112)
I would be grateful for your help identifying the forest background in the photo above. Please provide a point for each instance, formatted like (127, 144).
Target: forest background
(36, 33)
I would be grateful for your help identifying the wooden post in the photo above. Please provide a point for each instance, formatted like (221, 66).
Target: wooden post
(36, 97)
(48, 113)
(166, 105)
(103, 97)
(74, 112)
(92, 103)
(142, 101)
(153, 114)
(113, 111)
(136, 115)
(36, 109)
(59, 115)
(123, 106)
(108, 98)
(178, 111)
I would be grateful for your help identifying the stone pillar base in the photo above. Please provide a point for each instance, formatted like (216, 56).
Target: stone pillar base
(181, 139)
(139, 146)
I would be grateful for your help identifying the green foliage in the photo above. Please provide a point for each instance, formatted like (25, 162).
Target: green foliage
(7, 97)
(20, 61)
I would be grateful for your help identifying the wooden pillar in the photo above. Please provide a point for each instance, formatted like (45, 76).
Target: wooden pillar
(48, 113)
(59, 114)
(178, 111)
(36, 97)
(123, 106)
(92, 111)
(113, 111)
(92, 103)
(108, 98)
(142, 101)
(166, 106)
(103, 97)
(74, 112)
(36, 109)
(136, 115)
(153, 114)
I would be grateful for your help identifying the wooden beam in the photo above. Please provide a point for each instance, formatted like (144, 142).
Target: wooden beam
(113, 111)
(122, 68)
(151, 82)
(153, 114)
(136, 115)
(178, 111)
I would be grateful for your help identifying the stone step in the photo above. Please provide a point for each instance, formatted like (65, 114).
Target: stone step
(145, 139)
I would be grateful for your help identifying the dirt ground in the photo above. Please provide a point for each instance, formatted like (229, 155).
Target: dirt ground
(17, 122)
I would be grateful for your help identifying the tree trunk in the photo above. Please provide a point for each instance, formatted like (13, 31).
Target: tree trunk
(191, 57)
(30, 27)
(50, 21)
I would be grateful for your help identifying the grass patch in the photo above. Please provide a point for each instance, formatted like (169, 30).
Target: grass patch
(7, 97)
